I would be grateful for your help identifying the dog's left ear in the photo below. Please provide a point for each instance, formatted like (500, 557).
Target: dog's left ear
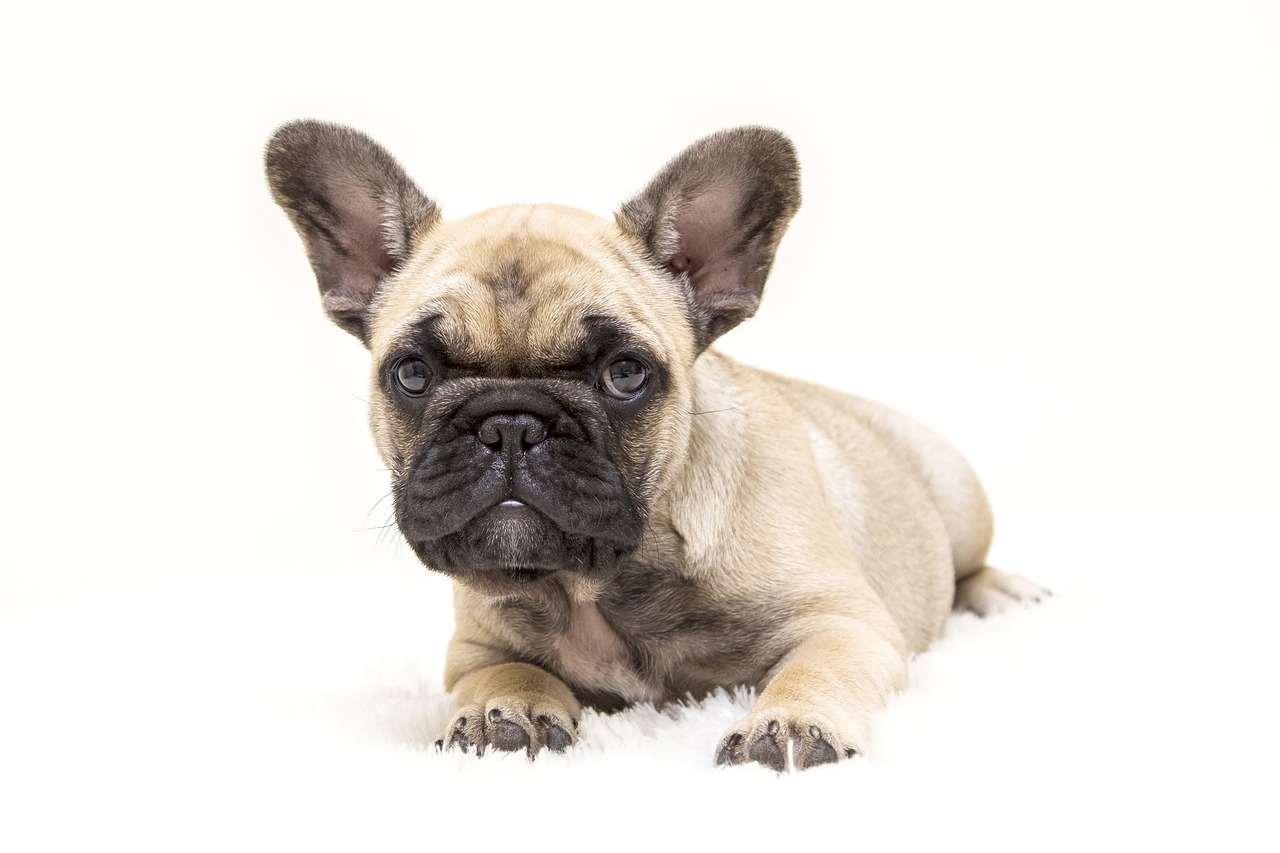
(716, 213)
(357, 211)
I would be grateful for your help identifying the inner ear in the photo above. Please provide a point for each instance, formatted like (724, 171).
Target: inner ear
(704, 229)
(722, 263)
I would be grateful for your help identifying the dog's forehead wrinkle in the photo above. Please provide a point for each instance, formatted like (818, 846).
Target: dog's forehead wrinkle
(526, 337)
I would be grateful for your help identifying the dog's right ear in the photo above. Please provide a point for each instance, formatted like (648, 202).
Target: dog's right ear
(356, 209)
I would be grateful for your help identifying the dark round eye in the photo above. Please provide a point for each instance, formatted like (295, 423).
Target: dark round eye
(413, 376)
(624, 378)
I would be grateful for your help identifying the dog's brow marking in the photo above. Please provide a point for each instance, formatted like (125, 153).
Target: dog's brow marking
(434, 334)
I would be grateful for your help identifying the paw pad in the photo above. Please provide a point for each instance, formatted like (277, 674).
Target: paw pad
(506, 735)
(766, 750)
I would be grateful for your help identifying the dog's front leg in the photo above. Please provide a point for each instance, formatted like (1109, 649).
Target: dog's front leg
(819, 699)
(507, 706)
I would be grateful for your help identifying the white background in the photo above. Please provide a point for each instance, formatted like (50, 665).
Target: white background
(1049, 231)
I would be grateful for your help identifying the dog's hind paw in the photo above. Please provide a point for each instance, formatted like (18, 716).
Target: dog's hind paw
(989, 591)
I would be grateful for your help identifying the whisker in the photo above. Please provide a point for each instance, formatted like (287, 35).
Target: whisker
(389, 525)
(375, 506)
(717, 411)
(381, 528)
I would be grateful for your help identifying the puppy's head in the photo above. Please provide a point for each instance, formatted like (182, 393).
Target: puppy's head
(532, 365)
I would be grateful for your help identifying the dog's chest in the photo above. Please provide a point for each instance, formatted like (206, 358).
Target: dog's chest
(589, 652)
(651, 636)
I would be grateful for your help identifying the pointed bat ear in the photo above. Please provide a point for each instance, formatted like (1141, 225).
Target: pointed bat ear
(714, 215)
(357, 211)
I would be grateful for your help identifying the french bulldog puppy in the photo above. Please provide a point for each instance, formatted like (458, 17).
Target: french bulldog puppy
(628, 515)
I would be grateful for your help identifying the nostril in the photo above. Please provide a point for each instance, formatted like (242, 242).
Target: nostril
(535, 432)
(490, 434)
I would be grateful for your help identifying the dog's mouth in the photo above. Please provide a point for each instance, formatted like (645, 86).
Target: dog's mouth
(513, 545)
(526, 575)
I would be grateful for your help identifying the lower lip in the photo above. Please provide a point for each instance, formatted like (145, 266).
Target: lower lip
(512, 504)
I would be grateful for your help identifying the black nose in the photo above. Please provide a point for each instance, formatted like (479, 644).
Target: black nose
(511, 431)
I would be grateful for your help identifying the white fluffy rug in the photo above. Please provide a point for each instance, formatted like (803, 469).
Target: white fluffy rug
(1134, 708)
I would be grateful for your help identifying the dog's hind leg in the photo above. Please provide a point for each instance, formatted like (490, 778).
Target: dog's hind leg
(962, 505)
(987, 591)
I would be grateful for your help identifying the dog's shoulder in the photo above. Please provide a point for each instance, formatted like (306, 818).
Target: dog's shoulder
(790, 414)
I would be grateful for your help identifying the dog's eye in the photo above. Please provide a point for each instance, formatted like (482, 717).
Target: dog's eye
(413, 376)
(624, 378)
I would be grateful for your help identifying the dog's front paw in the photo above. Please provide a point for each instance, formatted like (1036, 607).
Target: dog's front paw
(769, 737)
(510, 724)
